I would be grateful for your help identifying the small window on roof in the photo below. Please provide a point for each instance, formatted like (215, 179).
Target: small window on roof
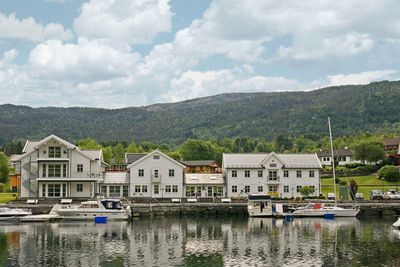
(156, 156)
(213, 177)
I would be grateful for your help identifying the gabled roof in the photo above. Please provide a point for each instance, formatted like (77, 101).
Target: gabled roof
(94, 153)
(151, 154)
(395, 141)
(256, 160)
(132, 157)
(198, 162)
(29, 146)
(337, 152)
(52, 136)
(270, 155)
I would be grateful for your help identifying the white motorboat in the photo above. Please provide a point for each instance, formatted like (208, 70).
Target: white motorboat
(397, 223)
(52, 216)
(319, 210)
(259, 205)
(7, 214)
(111, 209)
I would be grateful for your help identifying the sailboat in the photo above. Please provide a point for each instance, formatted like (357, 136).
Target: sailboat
(318, 209)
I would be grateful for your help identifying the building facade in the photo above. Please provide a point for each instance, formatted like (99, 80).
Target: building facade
(342, 157)
(279, 175)
(55, 168)
(156, 175)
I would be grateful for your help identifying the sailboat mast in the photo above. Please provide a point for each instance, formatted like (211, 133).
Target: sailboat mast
(333, 159)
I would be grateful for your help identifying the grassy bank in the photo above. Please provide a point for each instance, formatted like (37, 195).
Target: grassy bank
(365, 185)
(6, 197)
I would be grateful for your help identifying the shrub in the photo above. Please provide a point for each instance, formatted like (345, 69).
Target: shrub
(389, 173)
(354, 165)
(306, 190)
(341, 182)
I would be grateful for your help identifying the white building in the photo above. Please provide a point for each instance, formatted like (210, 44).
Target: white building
(54, 168)
(342, 157)
(204, 185)
(155, 175)
(281, 175)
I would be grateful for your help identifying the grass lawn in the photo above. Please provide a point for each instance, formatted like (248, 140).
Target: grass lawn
(365, 185)
(6, 197)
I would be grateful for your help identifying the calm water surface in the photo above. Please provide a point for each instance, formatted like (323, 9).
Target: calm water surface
(222, 241)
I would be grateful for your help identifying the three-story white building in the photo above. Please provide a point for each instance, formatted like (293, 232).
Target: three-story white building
(55, 168)
(156, 175)
(280, 175)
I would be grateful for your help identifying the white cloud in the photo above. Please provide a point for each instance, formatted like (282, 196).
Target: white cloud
(360, 78)
(85, 61)
(29, 30)
(133, 22)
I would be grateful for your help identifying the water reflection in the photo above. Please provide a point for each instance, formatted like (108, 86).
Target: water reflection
(202, 242)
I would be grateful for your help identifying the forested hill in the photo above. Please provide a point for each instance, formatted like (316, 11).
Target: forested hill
(353, 109)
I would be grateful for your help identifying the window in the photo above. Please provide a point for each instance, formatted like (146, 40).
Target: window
(156, 156)
(286, 174)
(234, 173)
(54, 170)
(79, 187)
(273, 175)
(64, 170)
(171, 172)
(175, 189)
(260, 173)
(43, 190)
(125, 191)
(79, 168)
(286, 189)
(298, 188)
(44, 170)
(103, 190)
(246, 173)
(54, 190)
(156, 189)
(155, 173)
(54, 152)
(272, 165)
(260, 188)
(247, 188)
(273, 188)
(298, 174)
(312, 174)
(144, 188)
(115, 190)
(137, 188)
(140, 172)
(167, 189)
(234, 188)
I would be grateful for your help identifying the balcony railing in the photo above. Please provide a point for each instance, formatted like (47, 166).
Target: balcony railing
(273, 178)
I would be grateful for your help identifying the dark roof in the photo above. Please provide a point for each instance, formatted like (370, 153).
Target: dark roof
(198, 162)
(337, 152)
(391, 141)
(132, 157)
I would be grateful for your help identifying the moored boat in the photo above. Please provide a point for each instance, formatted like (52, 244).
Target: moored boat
(7, 214)
(259, 205)
(90, 210)
(319, 210)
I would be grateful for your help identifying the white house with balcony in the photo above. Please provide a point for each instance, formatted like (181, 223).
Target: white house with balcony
(55, 168)
(280, 175)
(155, 175)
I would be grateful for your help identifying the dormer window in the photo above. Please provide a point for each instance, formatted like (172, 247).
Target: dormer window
(156, 156)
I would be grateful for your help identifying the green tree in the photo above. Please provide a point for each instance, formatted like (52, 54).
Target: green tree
(389, 173)
(88, 143)
(306, 191)
(107, 154)
(4, 170)
(119, 154)
(369, 151)
(132, 147)
(197, 150)
(176, 155)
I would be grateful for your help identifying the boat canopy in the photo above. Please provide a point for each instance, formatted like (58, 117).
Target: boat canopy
(259, 197)
(111, 204)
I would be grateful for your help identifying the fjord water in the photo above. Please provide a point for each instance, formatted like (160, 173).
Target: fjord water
(203, 241)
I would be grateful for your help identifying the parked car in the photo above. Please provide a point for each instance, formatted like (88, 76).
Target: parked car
(331, 196)
(359, 197)
(391, 194)
(376, 195)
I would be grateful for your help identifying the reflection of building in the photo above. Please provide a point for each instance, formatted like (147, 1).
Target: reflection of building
(54, 168)
(281, 175)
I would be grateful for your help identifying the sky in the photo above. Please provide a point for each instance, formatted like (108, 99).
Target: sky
(123, 53)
